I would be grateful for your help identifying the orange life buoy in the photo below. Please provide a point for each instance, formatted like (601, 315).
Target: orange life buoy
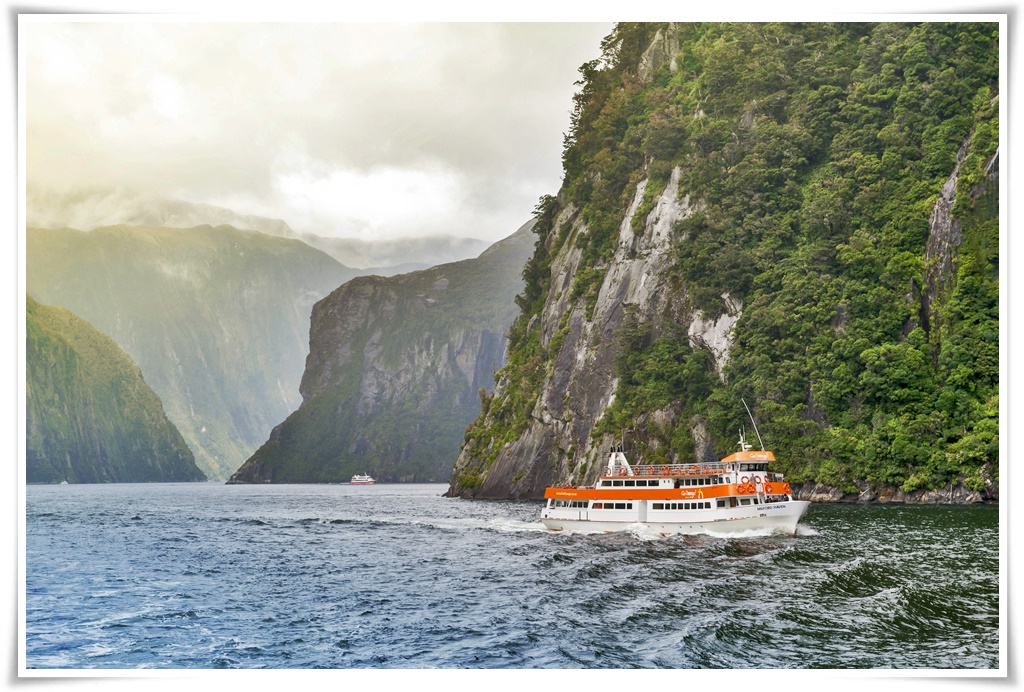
(622, 472)
(767, 487)
(744, 480)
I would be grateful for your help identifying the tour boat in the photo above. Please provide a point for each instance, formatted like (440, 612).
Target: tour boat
(361, 480)
(733, 495)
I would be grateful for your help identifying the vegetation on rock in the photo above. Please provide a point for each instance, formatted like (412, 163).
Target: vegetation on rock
(90, 417)
(216, 318)
(818, 153)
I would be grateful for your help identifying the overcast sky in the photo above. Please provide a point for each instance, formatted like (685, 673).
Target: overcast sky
(357, 130)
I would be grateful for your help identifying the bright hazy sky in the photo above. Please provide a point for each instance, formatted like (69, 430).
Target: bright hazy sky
(358, 130)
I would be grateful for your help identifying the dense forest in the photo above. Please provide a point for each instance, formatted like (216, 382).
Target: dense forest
(817, 154)
(90, 417)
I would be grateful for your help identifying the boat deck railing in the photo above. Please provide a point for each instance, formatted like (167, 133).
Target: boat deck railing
(678, 469)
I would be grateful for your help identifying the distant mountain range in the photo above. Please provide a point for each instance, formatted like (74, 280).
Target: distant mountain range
(87, 208)
(90, 416)
(216, 318)
(399, 256)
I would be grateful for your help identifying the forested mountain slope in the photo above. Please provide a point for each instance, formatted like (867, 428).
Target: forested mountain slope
(90, 417)
(801, 216)
(216, 318)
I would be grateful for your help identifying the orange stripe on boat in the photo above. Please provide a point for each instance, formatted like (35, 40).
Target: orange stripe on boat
(625, 494)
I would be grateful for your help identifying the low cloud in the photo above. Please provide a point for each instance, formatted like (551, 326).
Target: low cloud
(360, 130)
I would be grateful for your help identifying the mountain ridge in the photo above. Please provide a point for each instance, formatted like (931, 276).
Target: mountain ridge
(395, 370)
(745, 215)
(90, 416)
(216, 318)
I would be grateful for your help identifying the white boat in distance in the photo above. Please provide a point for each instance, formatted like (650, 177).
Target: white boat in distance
(734, 495)
(361, 480)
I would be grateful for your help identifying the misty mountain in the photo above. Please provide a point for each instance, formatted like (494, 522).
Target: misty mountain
(97, 207)
(401, 255)
(90, 416)
(395, 370)
(90, 208)
(216, 318)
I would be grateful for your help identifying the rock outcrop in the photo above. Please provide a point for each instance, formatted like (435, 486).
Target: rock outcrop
(751, 225)
(395, 371)
(557, 443)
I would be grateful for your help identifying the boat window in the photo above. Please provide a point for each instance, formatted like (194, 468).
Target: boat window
(658, 505)
(721, 503)
(597, 505)
(617, 484)
(745, 501)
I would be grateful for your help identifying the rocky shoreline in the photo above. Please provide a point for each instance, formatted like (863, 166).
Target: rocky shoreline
(952, 494)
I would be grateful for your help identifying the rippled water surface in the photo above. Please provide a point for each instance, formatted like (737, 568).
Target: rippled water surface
(391, 576)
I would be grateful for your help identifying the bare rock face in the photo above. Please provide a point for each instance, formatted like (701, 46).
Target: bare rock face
(394, 370)
(943, 240)
(944, 235)
(557, 445)
(663, 49)
(716, 335)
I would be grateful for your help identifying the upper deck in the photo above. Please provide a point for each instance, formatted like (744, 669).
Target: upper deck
(748, 455)
(740, 461)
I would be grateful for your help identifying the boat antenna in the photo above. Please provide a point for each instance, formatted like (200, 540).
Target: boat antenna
(753, 423)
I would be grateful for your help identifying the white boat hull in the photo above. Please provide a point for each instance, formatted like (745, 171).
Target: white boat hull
(781, 517)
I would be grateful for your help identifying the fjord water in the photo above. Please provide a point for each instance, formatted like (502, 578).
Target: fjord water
(397, 576)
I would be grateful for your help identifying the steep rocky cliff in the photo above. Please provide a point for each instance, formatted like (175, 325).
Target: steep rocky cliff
(216, 318)
(395, 371)
(765, 212)
(90, 417)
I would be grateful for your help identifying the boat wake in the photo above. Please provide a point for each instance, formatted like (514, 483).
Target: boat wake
(513, 526)
(643, 532)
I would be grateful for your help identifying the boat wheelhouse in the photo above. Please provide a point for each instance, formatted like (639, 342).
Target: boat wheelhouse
(737, 494)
